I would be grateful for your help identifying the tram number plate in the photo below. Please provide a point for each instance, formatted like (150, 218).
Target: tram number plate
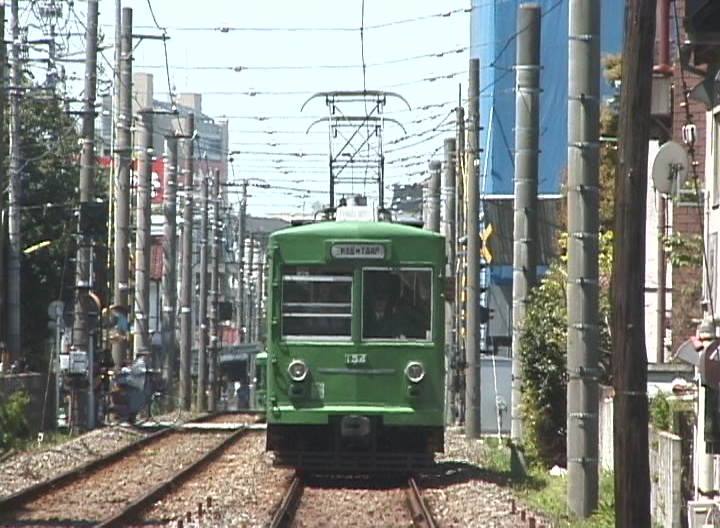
(355, 359)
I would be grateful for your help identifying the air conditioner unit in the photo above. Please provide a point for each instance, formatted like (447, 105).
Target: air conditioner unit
(703, 514)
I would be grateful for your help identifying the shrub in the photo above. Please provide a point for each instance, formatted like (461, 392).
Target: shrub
(13, 424)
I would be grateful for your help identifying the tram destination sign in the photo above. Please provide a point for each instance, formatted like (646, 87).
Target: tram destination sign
(358, 251)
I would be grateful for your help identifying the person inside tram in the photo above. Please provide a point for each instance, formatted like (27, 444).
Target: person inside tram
(380, 319)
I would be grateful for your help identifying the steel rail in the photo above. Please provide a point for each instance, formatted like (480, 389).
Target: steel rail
(286, 511)
(133, 510)
(35, 491)
(421, 516)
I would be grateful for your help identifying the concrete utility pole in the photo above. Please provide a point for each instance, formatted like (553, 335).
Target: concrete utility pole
(83, 266)
(115, 104)
(202, 306)
(583, 363)
(434, 197)
(527, 134)
(240, 308)
(262, 256)
(461, 264)
(250, 305)
(169, 276)
(123, 158)
(142, 235)
(14, 188)
(186, 274)
(215, 294)
(472, 227)
(632, 472)
(3, 159)
(450, 241)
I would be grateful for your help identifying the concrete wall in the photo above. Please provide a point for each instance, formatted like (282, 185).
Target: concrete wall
(495, 378)
(35, 385)
(666, 505)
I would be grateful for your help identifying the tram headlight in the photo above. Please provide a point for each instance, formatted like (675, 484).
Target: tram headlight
(298, 370)
(415, 371)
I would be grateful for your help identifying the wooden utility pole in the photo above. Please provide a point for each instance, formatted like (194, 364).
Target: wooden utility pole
(632, 473)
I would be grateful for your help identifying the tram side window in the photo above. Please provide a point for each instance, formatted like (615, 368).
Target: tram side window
(397, 304)
(316, 304)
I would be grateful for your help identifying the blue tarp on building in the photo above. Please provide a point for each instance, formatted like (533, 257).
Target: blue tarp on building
(493, 27)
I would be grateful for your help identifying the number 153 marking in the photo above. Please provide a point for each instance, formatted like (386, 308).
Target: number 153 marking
(355, 359)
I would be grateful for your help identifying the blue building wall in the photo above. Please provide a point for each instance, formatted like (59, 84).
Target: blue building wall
(493, 25)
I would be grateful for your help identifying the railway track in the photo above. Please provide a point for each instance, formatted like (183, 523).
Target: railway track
(114, 490)
(383, 503)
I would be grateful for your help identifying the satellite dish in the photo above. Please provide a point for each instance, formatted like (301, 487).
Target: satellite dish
(669, 168)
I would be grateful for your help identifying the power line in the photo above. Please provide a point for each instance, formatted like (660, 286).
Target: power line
(228, 29)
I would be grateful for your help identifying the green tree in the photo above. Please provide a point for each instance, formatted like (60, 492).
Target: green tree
(543, 349)
(50, 173)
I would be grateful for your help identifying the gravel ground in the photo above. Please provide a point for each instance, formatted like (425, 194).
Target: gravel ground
(244, 488)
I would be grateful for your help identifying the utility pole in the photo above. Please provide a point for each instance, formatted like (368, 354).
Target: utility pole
(84, 257)
(142, 236)
(450, 241)
(215, 294)
(461, 264)
(262, 255)
(3, 160)
(169, 277)
(663, 68)
(527, 134)
(632, 472)
(250, 316)
(472, 223)
(123, 157)
(202, 308)
(583, 363)
(240, 308)
(14, 188)
(115, 104)
(434, 197)
(186, 274)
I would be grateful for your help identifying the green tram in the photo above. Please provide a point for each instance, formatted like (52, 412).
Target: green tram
(355, 377)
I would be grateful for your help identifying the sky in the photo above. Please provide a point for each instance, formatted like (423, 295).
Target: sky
(256, 64)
